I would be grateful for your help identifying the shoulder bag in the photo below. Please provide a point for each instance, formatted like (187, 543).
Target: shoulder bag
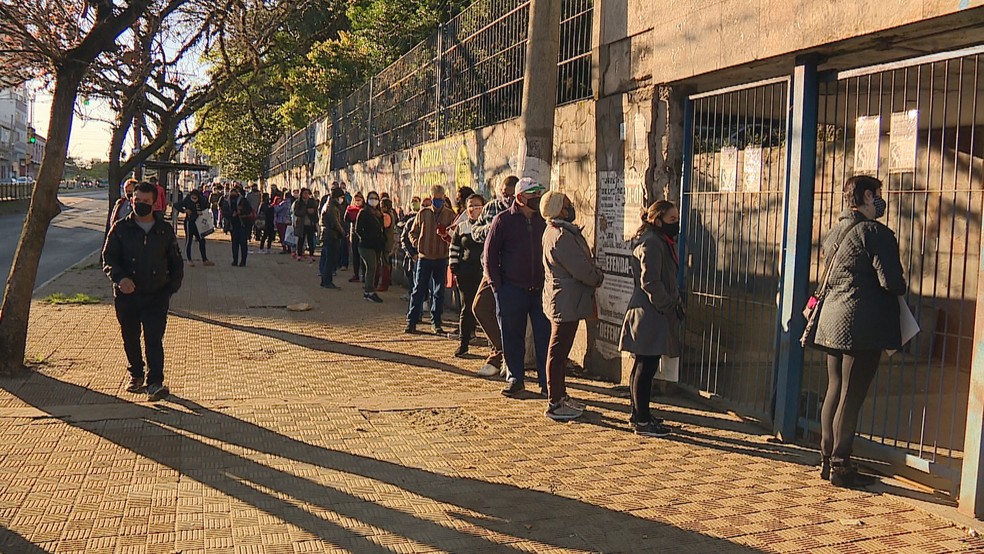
(815, 303)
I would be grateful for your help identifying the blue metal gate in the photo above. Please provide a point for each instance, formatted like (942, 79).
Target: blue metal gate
(919, 128)
(732, 207)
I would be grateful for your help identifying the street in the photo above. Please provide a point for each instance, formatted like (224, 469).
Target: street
(73, 235)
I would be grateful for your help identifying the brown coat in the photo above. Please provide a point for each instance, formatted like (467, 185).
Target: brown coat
(571, 274)
(429, 233)
(651, 326)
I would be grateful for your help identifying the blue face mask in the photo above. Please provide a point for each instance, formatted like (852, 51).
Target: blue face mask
(438, 203)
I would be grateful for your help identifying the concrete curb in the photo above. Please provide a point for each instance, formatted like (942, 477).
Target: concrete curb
(64, 271)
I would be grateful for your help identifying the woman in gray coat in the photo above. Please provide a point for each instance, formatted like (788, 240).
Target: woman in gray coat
(571, 278)
(652, 321)
(858, 319)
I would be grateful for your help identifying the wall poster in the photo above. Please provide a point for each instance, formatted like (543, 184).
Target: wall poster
(867, 131)
(729, 169)
(902, 140)
(614, 256)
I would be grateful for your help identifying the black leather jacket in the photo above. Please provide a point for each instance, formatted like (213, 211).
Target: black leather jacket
(152, 260)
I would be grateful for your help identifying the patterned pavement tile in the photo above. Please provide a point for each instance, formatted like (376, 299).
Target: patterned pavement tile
(329, 431)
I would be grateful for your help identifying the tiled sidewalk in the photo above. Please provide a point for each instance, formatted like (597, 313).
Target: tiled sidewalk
(330, 431)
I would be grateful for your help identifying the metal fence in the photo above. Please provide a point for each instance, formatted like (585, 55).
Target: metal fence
(467, 75)
(574, 67)
(15, 191)
(918, 127)
(733, 212)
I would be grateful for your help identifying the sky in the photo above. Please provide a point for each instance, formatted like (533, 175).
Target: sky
(90, 138)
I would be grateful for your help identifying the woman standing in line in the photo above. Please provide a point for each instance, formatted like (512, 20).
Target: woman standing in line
(193, 205)
(372, 240)
(858, 319)
(466, 266)
(351, 216)
(385, 273)
(571, 278)
(651, 327)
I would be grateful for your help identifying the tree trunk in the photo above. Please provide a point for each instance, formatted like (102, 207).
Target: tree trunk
(16, 308)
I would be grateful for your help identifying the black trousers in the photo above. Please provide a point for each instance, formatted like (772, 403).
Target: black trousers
(849, 375)
(468, 282)
(147, 312)
(240, 246)
(641, 386)
(191, 233)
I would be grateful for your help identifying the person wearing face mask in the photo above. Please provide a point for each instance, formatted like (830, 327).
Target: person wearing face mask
(238, 215)
(143, 260)
(514, 263)
(332, 234)
(858, 319)
(384, 276)
(124, 205)
(305, 223)
(193, 205)
(466, 265)
(651, 327)
(484, 305)
(568, 296)
(409, 250)
(429, 236)
(351, 216)
(372, 241)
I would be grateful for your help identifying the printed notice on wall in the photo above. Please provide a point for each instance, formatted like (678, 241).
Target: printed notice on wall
(729, 169)
(902, 141)
(632, 212)
(866, 136)
(752, 170)
(614, 256)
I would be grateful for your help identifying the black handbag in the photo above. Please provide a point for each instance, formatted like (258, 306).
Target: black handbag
(815, 303)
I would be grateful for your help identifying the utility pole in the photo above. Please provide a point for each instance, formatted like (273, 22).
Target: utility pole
(540, 91)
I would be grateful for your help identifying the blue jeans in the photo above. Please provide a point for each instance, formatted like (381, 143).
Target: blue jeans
(240, 238)
(513, 306)
(430, 274)
(329, 259)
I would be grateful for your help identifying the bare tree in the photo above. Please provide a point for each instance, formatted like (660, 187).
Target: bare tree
(58, 40)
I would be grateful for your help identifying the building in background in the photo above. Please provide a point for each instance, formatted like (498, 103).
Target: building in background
(14, 116)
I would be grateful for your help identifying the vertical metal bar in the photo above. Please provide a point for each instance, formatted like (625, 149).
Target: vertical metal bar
(685, 189)
(800, 184)
(438, 85)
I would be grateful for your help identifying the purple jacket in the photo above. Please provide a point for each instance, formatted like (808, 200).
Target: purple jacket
(514, 250)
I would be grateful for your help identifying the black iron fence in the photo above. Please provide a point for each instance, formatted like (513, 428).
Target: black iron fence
(467, 75)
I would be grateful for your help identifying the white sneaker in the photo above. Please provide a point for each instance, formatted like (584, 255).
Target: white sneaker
(488, 370)
(502, 372)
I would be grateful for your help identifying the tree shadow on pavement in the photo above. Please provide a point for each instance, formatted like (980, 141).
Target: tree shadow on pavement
(14, 543)
(496, 514)
(330, 346)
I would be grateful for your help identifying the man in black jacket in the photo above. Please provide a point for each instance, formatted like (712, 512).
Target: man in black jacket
(143, 259)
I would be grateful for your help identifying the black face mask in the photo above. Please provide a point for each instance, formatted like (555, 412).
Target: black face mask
(533, 203)
(141, 209)
(671, 229)
(571, 214)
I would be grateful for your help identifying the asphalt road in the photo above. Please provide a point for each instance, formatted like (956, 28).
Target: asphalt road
(73, 235)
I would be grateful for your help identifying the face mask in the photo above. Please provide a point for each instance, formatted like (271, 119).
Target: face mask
(533, 203)
(880, 206)
(415, 206)
(571, 214)
(373, 202)
(438, 203)
(671, 229)
(143, 210)
(340, 200)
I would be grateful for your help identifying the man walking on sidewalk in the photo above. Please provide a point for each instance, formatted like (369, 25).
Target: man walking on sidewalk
(429, 235)
(143, 259)
(514, 262)
(484, 306)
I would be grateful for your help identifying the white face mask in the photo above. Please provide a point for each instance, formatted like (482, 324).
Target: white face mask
(373, 202)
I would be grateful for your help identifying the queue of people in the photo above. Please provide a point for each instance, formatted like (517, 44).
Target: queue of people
(519, 258)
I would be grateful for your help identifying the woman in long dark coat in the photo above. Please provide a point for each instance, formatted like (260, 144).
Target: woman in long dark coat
(651, 327)
(859, 318)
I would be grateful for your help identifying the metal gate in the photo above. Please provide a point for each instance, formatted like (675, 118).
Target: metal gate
(919, 128)
(732, 208)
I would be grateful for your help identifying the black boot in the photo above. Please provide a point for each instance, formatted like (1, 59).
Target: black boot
(825, 468)
(843, 473)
